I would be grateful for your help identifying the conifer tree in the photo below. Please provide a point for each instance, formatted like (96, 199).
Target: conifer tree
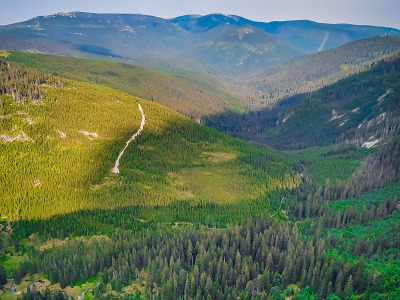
(3, 275)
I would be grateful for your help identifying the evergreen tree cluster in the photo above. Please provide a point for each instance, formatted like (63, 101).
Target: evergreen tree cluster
(377, 170)
(251, 261)
(46, 295)
(23, 84)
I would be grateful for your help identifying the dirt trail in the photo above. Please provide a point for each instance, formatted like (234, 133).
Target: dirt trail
(115, 169)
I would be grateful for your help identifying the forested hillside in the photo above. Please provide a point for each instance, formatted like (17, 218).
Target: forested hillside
(360, 110)
(312, 72)
(195, 214)
(196, 95)
(57, 153)
(242, 50)
(192, 94)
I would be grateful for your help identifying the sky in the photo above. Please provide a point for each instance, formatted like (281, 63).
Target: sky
(370, 12)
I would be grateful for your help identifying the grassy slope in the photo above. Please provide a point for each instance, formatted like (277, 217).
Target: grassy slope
(192, 94)
(173, 159)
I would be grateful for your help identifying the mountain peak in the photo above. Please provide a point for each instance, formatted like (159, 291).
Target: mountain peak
(66, 14)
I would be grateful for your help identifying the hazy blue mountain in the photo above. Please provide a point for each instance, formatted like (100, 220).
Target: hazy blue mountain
(128, 37)
(112, 35)
(199, 24)
(242, 49)
(306, 36)
(312, 37)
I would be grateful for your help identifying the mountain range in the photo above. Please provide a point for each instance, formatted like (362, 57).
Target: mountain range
(223, 43)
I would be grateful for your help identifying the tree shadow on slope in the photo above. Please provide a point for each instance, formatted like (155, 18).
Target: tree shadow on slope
(254, 126)
(138, 218)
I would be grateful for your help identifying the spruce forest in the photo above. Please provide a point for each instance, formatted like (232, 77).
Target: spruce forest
(221, 191)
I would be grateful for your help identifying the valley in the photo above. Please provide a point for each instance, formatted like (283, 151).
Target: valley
(199, 157)
(338, 113)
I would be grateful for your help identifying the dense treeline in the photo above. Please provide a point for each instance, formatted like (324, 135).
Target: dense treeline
(22, 84)
(46, 295)
(253, 260)
(378, 170)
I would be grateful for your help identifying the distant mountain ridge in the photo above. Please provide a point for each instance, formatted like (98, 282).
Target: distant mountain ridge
(244, 49)
(129, 37)
(311, 72)
(304, 35)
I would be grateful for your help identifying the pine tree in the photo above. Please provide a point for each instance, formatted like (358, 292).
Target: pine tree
(3, 275)
(348, 289)
(186, 292)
